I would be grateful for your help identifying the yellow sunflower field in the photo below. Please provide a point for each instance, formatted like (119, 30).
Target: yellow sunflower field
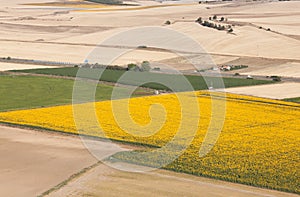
(258, 143)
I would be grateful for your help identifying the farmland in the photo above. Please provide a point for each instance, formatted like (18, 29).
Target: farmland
(258, 144)
(44, 91)
(296, 100)
(199, 133)
(137, 78)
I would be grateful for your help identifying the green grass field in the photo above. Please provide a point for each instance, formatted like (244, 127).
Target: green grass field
(295, 100)
(137, 78)
(20, 92)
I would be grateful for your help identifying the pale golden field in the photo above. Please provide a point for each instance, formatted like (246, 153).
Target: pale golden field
(60, 26)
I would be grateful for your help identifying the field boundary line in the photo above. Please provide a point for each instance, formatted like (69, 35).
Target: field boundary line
(68, 180)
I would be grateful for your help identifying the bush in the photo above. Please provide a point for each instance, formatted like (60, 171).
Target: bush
(230, 30)
(275, 78)
(199, 20)
(145, 66)
(221, 27)
(168, 23)
(132, 67)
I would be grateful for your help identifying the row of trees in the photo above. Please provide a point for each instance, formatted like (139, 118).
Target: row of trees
(215, 26)
(143, 67)
(215, 18)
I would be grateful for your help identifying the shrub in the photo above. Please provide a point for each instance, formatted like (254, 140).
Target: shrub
(168, 23)
(275, 78)
(132, 67)
(199, 20)
(221, 27)
(145, 66)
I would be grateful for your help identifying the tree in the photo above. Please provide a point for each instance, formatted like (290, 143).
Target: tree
(205, 23)
(168, 23)
(222, 19)
(215, 17)
(131, 67)
(230, 30)
(199, 20)
(145, 66)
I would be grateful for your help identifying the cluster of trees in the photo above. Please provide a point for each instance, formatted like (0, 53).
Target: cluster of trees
(215, 18)
(101, 66)
(213, 25)
(144, 67)
(7, 58)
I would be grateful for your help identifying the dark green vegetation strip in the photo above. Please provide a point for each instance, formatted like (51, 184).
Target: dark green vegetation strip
(109, 2)
(295, 100)
(23, 92)
(137, 78)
